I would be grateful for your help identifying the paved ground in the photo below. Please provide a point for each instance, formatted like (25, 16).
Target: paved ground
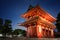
(20, 38)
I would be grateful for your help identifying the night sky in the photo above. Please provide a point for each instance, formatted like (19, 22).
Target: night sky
(12, 9)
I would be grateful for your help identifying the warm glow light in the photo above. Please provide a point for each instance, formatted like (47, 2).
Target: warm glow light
(39, 28)
(47, 21)
(52, 32)
(39, 31)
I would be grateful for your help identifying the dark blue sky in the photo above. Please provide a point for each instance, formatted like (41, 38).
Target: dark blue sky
(12, 9)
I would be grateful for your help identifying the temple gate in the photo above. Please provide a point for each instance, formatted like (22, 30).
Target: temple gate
(39, 23)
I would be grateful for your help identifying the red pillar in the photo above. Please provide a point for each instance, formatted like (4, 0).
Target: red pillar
(39, 31)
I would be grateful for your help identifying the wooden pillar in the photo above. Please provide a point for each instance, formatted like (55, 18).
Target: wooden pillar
(27, 33)
(39, 31)
(30, 31)
(45, 33)
(52, 33)
(48, 34)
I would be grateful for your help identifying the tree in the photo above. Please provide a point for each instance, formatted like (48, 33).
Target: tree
(57, 34)
(58, 22)
(23, 33)
(1, 25)
(19, 31)
(7, 27)
(16, 32)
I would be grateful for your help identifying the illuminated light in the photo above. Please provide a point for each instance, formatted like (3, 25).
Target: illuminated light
(46, 28)
(39, 28)
(42, 21)
(43, 27)
(46, 20)
(39, 31)
(49, 28)
(52, 32)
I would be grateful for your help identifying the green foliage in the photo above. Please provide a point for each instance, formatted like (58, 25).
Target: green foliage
(5, 26)
(23, 32)
(16, 32)
(58, 17)
(19, 31)
(1, 25)
(58, 22)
